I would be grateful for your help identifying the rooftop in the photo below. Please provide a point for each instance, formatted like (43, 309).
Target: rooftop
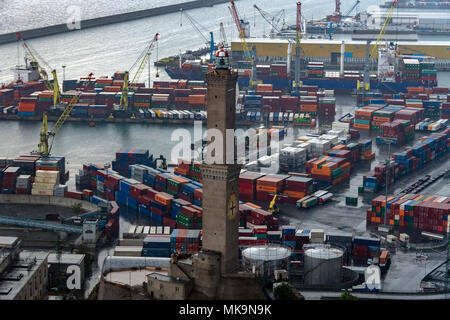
(66, 258)
(8, 242)
(166, 278)
(20, 272)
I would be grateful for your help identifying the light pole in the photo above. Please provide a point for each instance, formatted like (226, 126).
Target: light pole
(64, 73)
(386, 182)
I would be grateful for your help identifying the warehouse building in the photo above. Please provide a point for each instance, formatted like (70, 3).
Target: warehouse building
(23, 274)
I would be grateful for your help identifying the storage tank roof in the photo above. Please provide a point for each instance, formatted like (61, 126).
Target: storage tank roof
(324, 253)
(263, 253)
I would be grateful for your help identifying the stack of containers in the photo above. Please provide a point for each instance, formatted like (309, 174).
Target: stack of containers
(60, 190)
(414, 115)
(308, 104)
(45, 101)
(127, 157)
(192, 84)
(27, 106)
(27, 164)
(326, 107)
(445, 110)
(160, 207)
(383, 115)
(9, 179)
(181, 97)
(103, 82)
(363, 117)
(274, 237)
(366, 149)
(176, 184)
(298, 187)
(188, 190)
(198, 197)
(292, 159)
(397, 132)
(252, 102)
(258, 217)
(6, 97)
(288, 236)
(176, 206)
(428, 71)
(319, 147)
(150, 177)
(45, 182)
(288, 103)
(260, 232)
(301, 238)
(142, 100)
(122, 196)
(247, 185)
(53, 163)
(411, 70)
(190, 217)
(328, 170)
(161, 181)
(278, 70)
(413, 103)
(263, 71)
(156, 246)
(315, 70)
(195, 172)
(23, 184)
(271, 103)
(160, 101)
(432, 109)
(374, 180)
(197, 102)
(269, 184)
(185, 241)
(79, 111)
(98, 111)
(106, 98)
(416, 212)
(366, 247)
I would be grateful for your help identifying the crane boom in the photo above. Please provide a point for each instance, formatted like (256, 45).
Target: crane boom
(145, 59)
(297, 45)
(223, 35)
(383, 29)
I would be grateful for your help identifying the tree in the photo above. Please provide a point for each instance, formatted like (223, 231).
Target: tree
(348, 296)
(285, 291)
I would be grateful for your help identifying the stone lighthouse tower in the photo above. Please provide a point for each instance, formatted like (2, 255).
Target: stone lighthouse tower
(220, 179)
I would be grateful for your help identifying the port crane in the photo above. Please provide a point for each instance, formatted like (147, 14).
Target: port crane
(223, 36)
(332, 28)
(197, 26)
(142, 61)
(34, 57)
(44, 147)
(383, 28)
(298, 37)
(250, 57)
(272, 20)
(273, 208)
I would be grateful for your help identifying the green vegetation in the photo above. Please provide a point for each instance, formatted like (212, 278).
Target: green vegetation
(77, 208)
(348, 296)
(286, 292)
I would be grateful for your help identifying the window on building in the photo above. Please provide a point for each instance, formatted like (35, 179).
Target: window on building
(161, 286)
(177, 289)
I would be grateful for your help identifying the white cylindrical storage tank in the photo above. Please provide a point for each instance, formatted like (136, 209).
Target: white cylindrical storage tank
(323, 266)
(264, 260)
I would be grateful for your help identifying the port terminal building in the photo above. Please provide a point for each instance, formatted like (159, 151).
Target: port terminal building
(272, 49)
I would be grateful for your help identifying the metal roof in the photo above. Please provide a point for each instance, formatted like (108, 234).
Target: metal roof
(266, 253)
(324, 253)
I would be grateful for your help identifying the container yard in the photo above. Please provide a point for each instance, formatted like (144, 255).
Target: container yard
(312, 167)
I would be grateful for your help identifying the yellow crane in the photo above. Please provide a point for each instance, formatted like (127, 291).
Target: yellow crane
(44, 147)
(33, 56)
(249, 56)
(273, 208)
(383, 29)
(143, 60)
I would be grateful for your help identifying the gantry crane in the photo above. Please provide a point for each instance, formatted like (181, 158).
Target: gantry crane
(250, 57)
(383, 29)
(332, 29)
(223, 36)
(143, 59)
(44, 148)
(298, 36)
(35, 58)
(272, 20)
(197, 26)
